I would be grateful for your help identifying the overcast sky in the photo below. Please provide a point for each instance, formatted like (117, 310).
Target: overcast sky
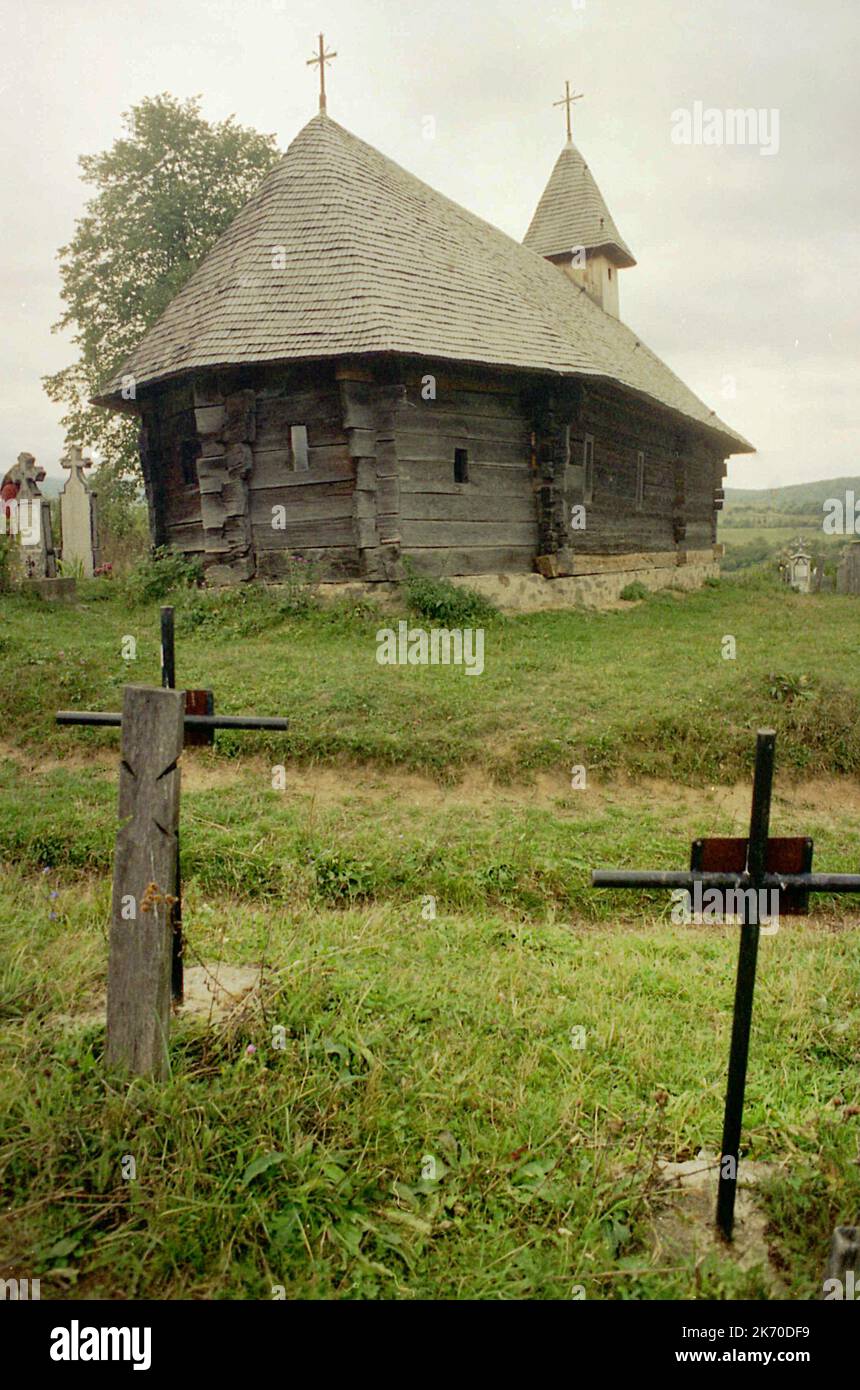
(748, 275)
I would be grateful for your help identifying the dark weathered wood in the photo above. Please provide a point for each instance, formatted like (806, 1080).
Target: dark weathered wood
(419, 443)
(498, 479)
(426, 535)
(470, 504)
(334, 562)
(297, 534)
(320, 504)
(326, 464)
(843, 1262)
(144, 882)
(377, 447)
(453, 560)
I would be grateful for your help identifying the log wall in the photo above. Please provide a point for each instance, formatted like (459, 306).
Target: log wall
(168, 423)
(319, 501)
(489, 523)
(380, 483)
(681, 475)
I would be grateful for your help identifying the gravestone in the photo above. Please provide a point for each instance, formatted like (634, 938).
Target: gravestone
(78, 514)
(848, 573)
(37, 555)
(799, 570)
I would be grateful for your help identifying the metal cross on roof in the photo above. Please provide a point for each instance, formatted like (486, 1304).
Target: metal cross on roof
(320, 60)
(567, 101)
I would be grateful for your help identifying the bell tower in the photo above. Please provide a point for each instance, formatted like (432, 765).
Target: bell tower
(573, 228)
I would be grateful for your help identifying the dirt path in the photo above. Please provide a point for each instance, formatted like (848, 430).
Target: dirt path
(830, 800)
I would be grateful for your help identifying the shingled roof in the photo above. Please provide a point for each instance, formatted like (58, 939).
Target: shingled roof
(378, 262)
(572, 213)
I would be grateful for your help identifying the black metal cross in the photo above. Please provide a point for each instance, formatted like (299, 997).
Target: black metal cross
(758, 869)
(199, 728)
(193, 721)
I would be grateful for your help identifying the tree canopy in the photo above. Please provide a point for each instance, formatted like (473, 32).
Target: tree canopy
(164, 192)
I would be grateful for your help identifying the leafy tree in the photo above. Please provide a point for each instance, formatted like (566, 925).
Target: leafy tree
(164, 192)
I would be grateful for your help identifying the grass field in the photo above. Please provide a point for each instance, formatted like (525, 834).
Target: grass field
(544, 1044)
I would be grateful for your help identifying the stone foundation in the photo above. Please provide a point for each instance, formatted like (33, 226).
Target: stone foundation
(599, 588)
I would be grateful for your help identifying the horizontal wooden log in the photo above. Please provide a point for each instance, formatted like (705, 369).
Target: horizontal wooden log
(183, 507)
(187, 535)
(423, 535)
(449, 426)
(474, 560)
(299, 507)
(322, 416)
(453, 400)
(336, 531)
(415, 450)
(467, 505)
(483, 477)
(332, 563)
(273, 467)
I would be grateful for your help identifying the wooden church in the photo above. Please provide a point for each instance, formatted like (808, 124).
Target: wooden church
(361, 372)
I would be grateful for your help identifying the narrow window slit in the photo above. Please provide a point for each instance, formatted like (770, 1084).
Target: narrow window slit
(299, 447)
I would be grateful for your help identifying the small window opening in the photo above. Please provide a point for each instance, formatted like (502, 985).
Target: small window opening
(588, 469)
(189, 453)
(461, 465)
(610, 272)
(299, 447)
(640, 480)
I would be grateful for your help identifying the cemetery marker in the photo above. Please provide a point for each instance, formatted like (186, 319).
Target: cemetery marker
(193, 728)
(144, 882)
(759, 863)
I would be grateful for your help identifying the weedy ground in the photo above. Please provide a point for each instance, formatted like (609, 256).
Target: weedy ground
(463, 1064)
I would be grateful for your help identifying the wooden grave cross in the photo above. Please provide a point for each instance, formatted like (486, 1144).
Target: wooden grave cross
(145, 877)
(746, 867)
(145, 966)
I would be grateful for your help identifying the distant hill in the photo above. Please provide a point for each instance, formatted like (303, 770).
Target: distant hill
(757, 524)
(798, 499)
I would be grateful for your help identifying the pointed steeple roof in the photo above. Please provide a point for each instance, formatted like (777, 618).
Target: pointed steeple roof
(341, 252)
(572, 213)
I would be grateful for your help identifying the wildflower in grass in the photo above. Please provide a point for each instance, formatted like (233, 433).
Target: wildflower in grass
(250, 1050)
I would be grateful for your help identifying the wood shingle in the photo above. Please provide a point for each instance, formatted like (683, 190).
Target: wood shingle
(341, 252)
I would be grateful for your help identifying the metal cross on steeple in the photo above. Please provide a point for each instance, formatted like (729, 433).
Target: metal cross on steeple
(568, 100)
(321, 59)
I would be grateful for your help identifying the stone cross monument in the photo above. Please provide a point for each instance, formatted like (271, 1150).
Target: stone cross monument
(38, 558)
(78, 514)
(799, 568)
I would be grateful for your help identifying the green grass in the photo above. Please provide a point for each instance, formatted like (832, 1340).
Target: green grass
(645, 691)
(409, 1036)
(406, 1039)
